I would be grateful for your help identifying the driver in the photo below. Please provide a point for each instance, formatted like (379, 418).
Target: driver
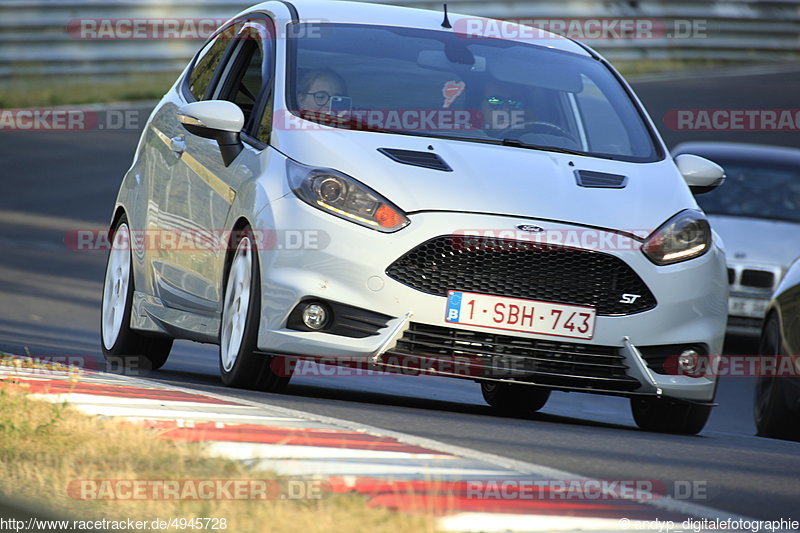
(316, 87)
(504, 106)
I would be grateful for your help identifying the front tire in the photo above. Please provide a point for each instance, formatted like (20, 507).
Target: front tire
(514, 399)
(239, 365)
(772, 415)
(663, 415)
(120, 343)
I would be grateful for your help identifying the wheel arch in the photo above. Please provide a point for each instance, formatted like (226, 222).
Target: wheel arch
(240, 223)
(119, 212)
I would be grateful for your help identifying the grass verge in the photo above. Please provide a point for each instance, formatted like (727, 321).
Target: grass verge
(46, 92)
(45, 446)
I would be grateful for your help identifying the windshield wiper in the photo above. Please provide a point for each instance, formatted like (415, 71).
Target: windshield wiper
(519, 144)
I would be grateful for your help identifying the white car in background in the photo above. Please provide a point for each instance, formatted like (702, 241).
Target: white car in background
(757, 214)
(558, 250)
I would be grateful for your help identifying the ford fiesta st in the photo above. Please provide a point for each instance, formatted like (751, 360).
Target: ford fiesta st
(412, 189)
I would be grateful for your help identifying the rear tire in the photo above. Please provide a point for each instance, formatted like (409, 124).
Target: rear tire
(663, 415)
(772, 415)
(514, 399)
(122, 346)
(239, 365)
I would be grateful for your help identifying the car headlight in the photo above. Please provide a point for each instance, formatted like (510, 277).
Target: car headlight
(344, 197)
(685, 236)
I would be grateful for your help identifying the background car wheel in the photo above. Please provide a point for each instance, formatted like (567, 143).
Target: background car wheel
(669, 416)
(123, 346)
(241, 312)
(514, 399)
(772, 415)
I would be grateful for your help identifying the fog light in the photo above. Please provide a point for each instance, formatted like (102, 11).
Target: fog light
(315, 316)
(687, 360)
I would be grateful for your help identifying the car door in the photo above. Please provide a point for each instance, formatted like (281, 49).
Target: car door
(196, 202)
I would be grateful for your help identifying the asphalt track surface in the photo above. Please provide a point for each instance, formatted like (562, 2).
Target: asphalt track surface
(50, 303)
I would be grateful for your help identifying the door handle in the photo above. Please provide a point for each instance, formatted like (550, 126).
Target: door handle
(178, 145)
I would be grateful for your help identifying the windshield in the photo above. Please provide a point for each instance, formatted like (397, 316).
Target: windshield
(756, 190)
(444, 84)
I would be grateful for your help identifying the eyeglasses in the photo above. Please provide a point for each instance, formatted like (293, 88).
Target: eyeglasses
(499, 102)
(320, 97)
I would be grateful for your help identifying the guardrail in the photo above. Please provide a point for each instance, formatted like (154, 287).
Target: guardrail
(36, 37)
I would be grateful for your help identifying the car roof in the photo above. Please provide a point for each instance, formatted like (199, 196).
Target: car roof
(740, 151)
(380, 14)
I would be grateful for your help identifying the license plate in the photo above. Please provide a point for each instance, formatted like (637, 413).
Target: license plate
(749, 307)
(515, 314)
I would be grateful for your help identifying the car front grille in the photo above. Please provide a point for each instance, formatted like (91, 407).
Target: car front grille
(745, 322)
(521, 269)
(490, 355)
(760, 279)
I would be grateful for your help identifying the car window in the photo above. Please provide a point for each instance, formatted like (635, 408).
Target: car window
(246, 78)
(437, 83)
(755, 189)
(207, 61)
(247, 85)
(605, 130)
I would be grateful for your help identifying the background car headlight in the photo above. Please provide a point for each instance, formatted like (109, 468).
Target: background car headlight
(685, 236)
(341, 195)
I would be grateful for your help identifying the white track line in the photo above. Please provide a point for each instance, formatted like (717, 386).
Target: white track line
(500, 522)
(251, 450)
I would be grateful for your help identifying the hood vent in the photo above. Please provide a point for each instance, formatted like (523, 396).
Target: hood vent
(600, 180)
(417, 159)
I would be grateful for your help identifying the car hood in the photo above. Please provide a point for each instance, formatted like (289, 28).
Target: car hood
(758, 241)
(504, 180)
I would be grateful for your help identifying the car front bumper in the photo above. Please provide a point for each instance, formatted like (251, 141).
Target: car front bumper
(348, 265)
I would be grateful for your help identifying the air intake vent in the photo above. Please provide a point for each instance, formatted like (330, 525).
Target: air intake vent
(757, 278)
(600, 180)
(417, 159)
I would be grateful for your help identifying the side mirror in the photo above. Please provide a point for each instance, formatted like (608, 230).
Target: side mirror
(215, 119)
(700, 174)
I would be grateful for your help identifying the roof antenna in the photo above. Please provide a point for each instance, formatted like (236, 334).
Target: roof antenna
(446, 21)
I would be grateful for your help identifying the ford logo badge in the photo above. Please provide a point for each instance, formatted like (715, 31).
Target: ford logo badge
(530, 228)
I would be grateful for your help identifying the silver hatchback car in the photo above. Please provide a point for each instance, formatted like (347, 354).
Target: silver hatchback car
(499, 209)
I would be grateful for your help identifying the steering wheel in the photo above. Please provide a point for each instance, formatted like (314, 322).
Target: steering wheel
(530, 126)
